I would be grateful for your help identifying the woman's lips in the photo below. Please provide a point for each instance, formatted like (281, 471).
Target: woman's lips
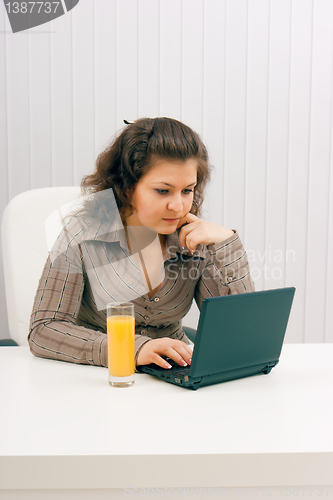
(171, 221)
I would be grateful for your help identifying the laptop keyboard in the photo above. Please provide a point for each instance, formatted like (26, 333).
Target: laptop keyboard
(177, 369)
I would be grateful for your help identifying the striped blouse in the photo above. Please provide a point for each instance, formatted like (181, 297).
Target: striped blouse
(91, 265)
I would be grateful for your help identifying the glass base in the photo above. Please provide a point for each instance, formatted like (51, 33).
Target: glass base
(121, 381)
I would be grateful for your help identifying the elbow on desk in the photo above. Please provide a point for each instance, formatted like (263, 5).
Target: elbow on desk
(64, 341)
(36, 342)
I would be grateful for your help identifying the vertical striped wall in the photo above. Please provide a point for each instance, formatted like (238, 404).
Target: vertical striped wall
(253, 77)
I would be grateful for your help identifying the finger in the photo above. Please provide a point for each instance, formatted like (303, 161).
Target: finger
(180, 355)
(178, 345)
(189, 353)
(184, 232)
(193, 239)
(186, 219)
(158, 360)
(191, 217)
(193, 222)
(181, 222)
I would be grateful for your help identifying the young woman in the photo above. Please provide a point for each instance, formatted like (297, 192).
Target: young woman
(138, 237)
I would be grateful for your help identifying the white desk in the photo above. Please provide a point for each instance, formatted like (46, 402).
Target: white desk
(65, 433)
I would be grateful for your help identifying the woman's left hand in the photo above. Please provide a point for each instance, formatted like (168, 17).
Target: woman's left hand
(198, 231)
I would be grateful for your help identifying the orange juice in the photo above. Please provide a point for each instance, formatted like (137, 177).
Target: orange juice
(120, 331)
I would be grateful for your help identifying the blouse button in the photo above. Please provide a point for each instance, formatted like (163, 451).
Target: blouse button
(229, 279)
(156, 299)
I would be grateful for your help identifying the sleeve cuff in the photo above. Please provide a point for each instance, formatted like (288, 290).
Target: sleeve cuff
(140, 340)
(231, 261)
(225, 246)
(100, 351)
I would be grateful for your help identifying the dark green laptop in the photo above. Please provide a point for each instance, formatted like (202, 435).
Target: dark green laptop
(238, 336)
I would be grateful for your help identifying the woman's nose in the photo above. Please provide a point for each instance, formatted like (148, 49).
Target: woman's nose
(176, 204)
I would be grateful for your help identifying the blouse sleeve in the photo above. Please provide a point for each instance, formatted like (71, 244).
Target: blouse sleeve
(54, 332)
(226, 272)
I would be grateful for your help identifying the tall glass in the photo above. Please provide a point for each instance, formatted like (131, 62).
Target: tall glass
(120, 332)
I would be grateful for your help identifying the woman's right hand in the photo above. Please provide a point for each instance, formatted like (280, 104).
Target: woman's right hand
(152, 351)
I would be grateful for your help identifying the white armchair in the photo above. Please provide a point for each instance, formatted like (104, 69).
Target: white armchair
(25, 243)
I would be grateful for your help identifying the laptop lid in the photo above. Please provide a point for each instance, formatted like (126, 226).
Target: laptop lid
(237, 331)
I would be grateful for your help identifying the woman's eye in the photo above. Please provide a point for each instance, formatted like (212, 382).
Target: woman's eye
(166, 191)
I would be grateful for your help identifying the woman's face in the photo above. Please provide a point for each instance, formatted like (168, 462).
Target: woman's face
(164, 195)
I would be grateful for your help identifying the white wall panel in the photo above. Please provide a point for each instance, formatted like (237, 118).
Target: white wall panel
(298, 159)
(192, 88)
(62, 101)
(319, 174)
(18, 112)
(277, 142)
(256, 137)
(127, 61)
(329, 269)
(3, 116)
(3, 157)
(40, 107)
(170, 58)
(148, 58)
(213, 104)
(235, 114)
(192, 63)
(105, 73)
(83, 89)
(253, 77)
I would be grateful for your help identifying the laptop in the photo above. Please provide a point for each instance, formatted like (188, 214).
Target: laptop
(238, 336)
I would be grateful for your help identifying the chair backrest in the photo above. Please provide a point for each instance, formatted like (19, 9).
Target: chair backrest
(25, 244)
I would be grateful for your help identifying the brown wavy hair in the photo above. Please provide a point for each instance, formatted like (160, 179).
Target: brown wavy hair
(135, 151)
